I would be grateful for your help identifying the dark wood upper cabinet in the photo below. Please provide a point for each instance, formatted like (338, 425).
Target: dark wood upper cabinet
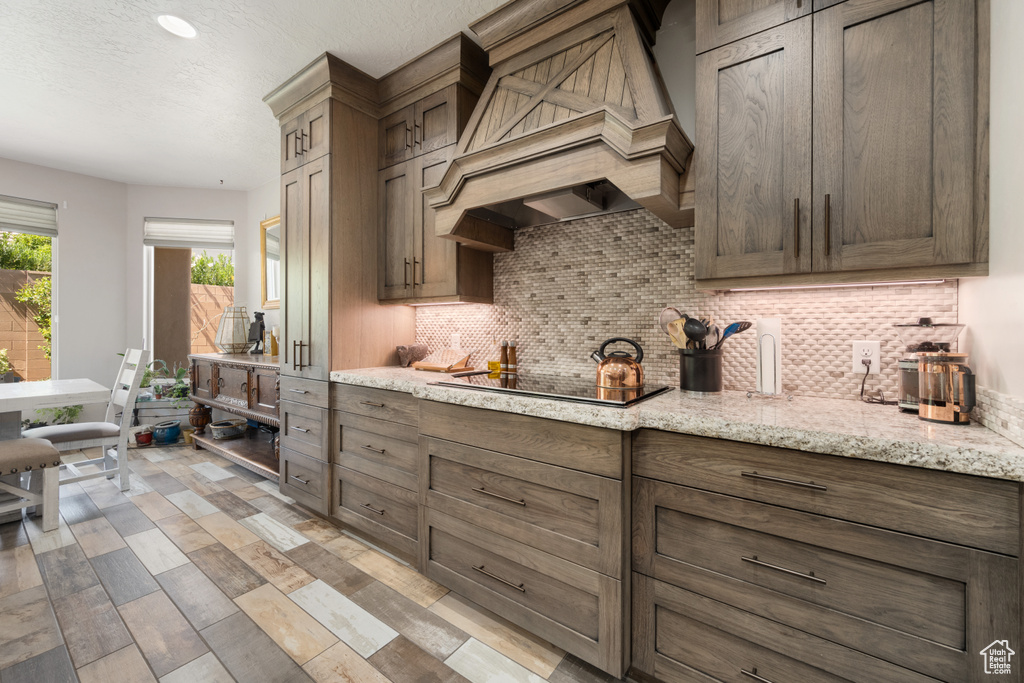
(754, 166)
(897, 92)
(723, 21)
(429, 124)
(894, 117)
(415, 264)
(306, 137)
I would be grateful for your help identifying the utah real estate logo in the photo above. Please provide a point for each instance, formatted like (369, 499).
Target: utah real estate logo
(997, 657)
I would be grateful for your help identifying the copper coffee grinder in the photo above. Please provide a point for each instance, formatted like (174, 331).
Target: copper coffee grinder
(924, 336)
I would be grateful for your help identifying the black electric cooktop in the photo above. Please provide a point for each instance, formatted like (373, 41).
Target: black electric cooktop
(573, 389)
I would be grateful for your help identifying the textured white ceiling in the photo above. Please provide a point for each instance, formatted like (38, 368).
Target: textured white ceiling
(97, 87)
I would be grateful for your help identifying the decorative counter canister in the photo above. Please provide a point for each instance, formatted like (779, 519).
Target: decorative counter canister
(700, 370)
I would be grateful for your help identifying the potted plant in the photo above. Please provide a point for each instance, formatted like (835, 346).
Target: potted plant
(6, 371)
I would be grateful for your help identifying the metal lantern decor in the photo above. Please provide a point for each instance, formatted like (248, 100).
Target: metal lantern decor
(233, 331)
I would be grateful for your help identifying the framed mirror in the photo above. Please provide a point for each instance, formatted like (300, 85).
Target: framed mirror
(270, 262)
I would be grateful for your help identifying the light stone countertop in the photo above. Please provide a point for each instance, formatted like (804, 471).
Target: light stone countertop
(840, 427)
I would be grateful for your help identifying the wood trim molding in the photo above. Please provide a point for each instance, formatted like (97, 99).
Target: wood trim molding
(326, 76)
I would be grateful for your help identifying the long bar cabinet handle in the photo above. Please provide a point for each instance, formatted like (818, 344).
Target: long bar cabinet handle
(405, 272)
(828, 224)
(380, 451)
(780, 480)
(371, 508)
(517, 501)
(753, 674)
(300, 429)
(767, 565)
(304, 482)
(416, 262)
(518, 586)
(796, 228)
(409, 142)
(298, 391)
(371, 403)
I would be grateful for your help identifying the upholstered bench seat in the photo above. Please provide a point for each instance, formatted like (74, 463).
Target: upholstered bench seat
(76, 431)
(26, 455)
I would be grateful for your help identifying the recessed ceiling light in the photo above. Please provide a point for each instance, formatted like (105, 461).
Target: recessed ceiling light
(177, 26)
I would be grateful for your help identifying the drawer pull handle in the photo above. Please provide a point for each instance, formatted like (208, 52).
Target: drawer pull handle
(753, 674)
(371, 403)
(517, 586)
(304, 482)
(791, 482)
(760, 563)
(380, 451)
(517, 501)
(300, 429)
(298, 391)
(372, 509)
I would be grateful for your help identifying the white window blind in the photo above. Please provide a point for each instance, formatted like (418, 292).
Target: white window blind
(26, 215)
(189, 233)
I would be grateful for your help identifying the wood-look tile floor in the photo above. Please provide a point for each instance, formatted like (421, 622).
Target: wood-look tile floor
(204, 572)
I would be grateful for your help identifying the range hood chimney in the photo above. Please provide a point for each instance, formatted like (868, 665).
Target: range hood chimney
(574, 121)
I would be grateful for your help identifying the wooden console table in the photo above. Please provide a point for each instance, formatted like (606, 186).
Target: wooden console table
(245, 385)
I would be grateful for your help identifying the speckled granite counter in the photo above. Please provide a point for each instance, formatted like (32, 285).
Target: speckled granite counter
(833, 426)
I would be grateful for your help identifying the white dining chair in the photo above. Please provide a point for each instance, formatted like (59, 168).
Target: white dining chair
(111, 435)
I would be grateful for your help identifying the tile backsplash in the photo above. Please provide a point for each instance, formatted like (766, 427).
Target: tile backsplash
(568, 287)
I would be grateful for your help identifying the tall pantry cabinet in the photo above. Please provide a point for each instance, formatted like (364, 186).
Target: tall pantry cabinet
(330, 316)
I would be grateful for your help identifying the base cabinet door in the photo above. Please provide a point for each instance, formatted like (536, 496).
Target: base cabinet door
(383, 511)
(894, 123)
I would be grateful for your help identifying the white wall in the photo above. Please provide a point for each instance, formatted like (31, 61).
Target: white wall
(90, 287)
(173, 202)
(264, 203)
(993, 307)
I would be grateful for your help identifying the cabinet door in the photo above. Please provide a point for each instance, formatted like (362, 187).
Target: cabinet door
(202, 378)
(294, 271)
(291, 143)
(436, 121)
(434, 263)
(894, 134)
(305, 276)
(394, 271)
(263, 392)
(315, 360)
(316, 140)
(396, 137)
(754, 169)
(723, 21)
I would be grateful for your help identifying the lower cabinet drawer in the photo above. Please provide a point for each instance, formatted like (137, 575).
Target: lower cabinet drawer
(383, 511)
(681, 638)
(302, 429)
(381, 449)
(304, 479)
(915, 604)
(571, 514)
(575, 608)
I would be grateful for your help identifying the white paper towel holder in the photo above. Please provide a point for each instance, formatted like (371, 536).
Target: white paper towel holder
(760, 353)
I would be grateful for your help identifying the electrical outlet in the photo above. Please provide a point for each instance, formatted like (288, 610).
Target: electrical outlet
(456, 342)
(867, 351)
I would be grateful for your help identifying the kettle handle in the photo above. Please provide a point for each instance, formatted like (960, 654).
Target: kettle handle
(969, 395)
(639, 351)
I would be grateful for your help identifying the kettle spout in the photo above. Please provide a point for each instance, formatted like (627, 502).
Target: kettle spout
(597, 356)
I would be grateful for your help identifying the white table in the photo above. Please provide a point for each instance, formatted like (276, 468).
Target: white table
(17, 398)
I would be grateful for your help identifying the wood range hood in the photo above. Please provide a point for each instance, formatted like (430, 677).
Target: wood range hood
(574, 120)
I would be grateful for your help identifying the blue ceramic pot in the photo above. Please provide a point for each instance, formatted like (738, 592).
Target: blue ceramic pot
(167, 432)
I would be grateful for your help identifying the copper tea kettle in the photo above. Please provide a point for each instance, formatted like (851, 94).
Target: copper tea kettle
(619, 369)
